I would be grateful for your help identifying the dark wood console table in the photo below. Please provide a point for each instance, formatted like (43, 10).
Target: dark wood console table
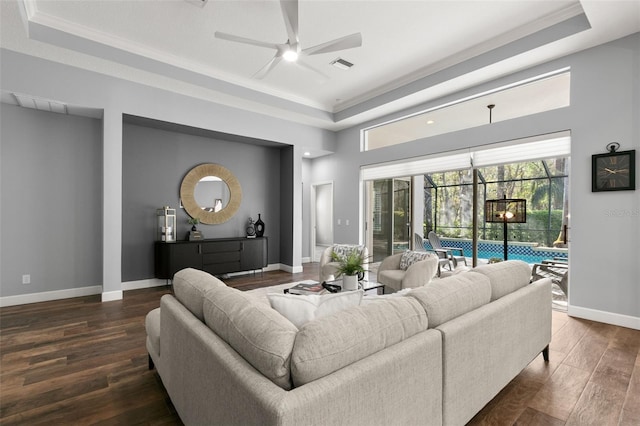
(215, 256)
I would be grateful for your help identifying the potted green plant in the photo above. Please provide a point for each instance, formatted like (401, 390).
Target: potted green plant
(193, 222)
(350, 268)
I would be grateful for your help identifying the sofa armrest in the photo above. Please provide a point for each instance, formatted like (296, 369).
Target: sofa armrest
(207, 380)
(325, 257)
(486, 348)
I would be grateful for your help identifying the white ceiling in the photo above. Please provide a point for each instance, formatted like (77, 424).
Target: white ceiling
(413, 51)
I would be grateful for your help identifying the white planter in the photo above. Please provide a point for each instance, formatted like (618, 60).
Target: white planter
(349, 282)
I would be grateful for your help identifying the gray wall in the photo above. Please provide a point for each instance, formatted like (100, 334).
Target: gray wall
(51, 201)
(154, 163)
(22, 73)
(605, 227)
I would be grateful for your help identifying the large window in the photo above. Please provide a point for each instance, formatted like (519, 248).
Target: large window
(534, 168)
(448, 200)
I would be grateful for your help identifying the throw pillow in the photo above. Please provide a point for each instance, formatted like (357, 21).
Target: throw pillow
(410, 257)
(343, 250)
(300, 309)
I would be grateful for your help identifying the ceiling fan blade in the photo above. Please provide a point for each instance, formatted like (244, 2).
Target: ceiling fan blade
(244, 40)
(290, 14)
(346, 42)
(262, 73)
(315, 70)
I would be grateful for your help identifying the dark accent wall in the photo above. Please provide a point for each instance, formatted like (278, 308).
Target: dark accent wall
(154, 164)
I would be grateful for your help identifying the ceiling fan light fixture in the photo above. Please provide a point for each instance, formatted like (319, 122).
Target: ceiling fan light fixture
(290, 55)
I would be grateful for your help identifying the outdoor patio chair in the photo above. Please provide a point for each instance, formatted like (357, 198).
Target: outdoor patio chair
(443, 259)
(557, 270)
(454, 254)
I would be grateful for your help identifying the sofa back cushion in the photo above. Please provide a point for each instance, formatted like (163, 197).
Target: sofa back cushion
(453, 296)
(189, 287)
(327, 344)
(262, 336)
(505, 277)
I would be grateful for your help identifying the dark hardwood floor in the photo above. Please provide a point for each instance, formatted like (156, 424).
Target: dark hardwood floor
(80, 361)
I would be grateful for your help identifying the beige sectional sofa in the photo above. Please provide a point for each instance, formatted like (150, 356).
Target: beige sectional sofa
(434, 355)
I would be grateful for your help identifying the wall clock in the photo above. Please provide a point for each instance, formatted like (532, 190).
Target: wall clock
(613, 171)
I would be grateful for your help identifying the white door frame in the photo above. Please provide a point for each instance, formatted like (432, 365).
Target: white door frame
(313, 215)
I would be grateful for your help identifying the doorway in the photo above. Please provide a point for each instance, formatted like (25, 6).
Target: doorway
(321, 218)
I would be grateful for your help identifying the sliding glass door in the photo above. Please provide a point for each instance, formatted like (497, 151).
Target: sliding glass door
(388, 216)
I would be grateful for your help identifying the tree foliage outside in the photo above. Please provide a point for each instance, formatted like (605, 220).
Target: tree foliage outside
(448, 200)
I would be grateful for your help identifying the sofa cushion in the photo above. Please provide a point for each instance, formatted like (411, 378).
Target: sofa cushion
(262, 336)
(453, 296)
(391, 278)
(300, 309)
(189, 287)
(333, 342)
(152, 326)
(409, 257)
(505, 277)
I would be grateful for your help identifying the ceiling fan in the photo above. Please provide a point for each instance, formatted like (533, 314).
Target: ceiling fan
(291, 50)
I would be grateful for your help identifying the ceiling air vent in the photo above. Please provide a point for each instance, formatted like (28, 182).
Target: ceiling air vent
(40, 104)
(341, 63)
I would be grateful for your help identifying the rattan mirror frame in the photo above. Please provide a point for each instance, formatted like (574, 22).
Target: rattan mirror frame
(188, 186)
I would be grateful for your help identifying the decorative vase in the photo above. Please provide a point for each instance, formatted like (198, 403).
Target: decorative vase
(251, 229)
(259, 225)
(349, 282)
(193, 228)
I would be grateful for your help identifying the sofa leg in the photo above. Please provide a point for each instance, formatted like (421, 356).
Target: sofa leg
(151, 365)
(545, 354)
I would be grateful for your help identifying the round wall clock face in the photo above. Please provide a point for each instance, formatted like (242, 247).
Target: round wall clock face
(614, 171)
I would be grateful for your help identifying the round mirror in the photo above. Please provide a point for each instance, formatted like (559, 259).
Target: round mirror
(211, 193)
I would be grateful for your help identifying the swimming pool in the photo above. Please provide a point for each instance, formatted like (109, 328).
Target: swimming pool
(527, 252)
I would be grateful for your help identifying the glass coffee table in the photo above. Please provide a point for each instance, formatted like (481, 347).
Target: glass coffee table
(364, 284)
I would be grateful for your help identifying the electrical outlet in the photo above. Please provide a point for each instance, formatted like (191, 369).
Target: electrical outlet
(26, 279)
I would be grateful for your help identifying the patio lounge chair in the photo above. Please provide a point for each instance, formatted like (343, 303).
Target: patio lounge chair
(443, 259)
(557, 270)
(454, 254)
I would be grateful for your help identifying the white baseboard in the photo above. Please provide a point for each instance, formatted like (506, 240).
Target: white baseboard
(46, 296)
(137, 285)
(605, 317)
(272, 267)
(291, 269)
(109, 296)
(306, 260)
